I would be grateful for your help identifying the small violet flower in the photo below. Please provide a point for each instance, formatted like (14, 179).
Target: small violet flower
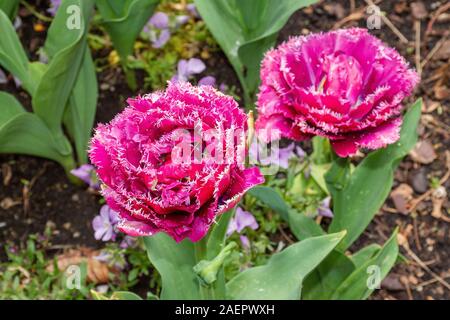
(159, 20)
(104, 224)
(188, 68)
(127, 242)
(181, 20)
(193, 10)
(193, 66)
(269, 157)
(241, 220)
(324, 208)
(158, 29)
(87, 174)
(54, 6)
(207, 81)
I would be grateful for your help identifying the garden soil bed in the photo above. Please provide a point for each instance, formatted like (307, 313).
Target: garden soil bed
(35, 193)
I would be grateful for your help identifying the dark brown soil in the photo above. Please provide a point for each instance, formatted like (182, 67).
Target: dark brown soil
(68, 209)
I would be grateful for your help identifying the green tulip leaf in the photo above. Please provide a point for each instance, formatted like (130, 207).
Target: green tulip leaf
(80, 112)
(23, 132)
(356, 203)
(9, 7)
(124, 20)
(281, 278)
(175, 263)
(368, 276)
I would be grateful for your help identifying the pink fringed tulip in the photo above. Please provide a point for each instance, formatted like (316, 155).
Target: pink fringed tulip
(137, 153)
(345, 85)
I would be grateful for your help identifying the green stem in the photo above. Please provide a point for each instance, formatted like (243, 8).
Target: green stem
(207, 292)
(68, 164)
(130, 77)
(34, 12)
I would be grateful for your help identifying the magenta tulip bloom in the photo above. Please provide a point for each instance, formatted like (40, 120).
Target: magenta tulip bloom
(151, 175)
(345, 85)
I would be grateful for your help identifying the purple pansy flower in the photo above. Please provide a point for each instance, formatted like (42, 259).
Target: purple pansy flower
(245, 241)
(87, 174)
(54, 6)
(207, 81)
(161, 40)
(278, 159)
(158, 29)
(188, 68)
(223, 87)
(108, 258)
(241, 220)
(181, 20)
(159, 20)
(104, 224)
(128, 241)
(300, 152)
(193, 10)
(324, 208)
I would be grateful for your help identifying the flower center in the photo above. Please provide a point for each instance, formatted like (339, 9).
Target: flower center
(343, 76)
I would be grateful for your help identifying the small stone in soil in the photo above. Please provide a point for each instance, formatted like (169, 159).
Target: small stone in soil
(419, 181)
(401, 197)
(423, 152)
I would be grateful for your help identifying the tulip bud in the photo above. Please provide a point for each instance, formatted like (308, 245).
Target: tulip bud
(207, 270)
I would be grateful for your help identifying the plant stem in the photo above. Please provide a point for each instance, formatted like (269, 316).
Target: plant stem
(68, 164)
(207, 292)
(130, 76)
(34, 12)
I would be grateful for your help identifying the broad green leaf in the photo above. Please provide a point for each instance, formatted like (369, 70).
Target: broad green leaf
(361, 282)
(338, 176)
(303, 227)
(36, 70)
(326, 278)
(355, 205)
(318, 172)
(175, 263)
(65, 47)
(98, 295)
(27, 134)
(245, 30)
(124, 295)
(217, 234)
(80, 112)
(124, 20)
(321, 150)
(14, 59)
(9, 7)
(12, 55)
(272, 199)
(282, 276)
(118, 295)
(366, 253)
(9, 107)
(59, 36)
